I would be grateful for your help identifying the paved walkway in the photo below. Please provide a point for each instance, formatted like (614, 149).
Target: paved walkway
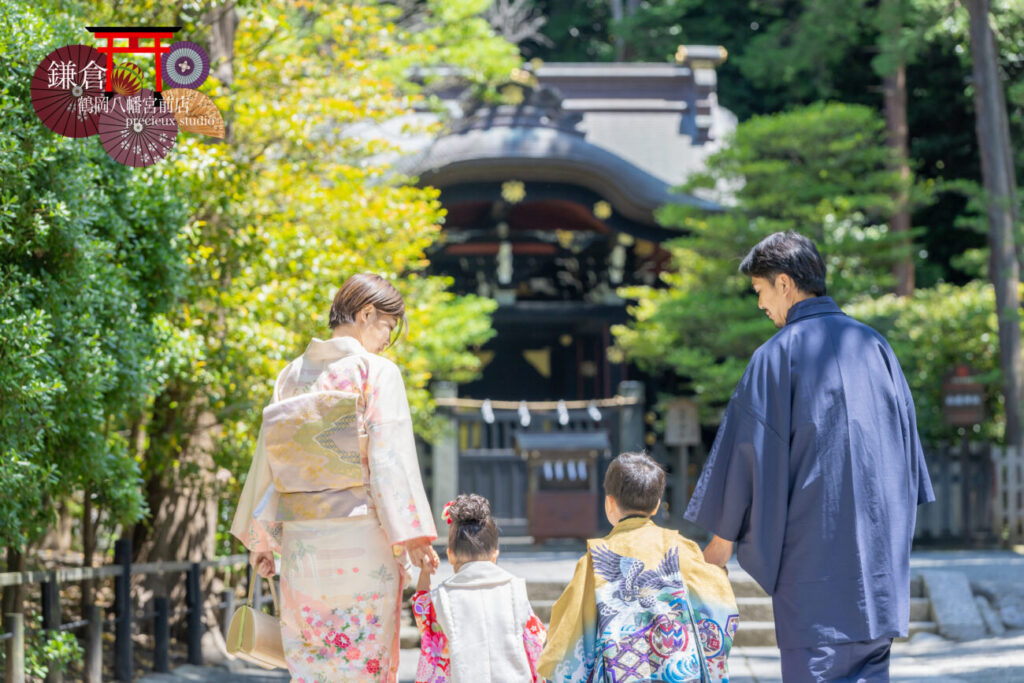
(926, 657)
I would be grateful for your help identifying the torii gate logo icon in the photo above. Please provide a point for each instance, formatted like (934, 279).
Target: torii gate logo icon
(79, 91)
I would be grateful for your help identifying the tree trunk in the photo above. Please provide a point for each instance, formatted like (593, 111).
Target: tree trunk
(998, 174)
(223, 22)
(617, 15)
(895, 90)
(14, 596)
(88, 548)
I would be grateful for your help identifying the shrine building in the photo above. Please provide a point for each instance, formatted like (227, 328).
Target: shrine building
(551, 207)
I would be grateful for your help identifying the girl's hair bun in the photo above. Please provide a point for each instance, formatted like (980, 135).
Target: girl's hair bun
(470, 508)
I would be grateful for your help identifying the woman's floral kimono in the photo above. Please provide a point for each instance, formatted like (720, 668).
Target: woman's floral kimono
(643, 605)
(478, 626)
(335, 488)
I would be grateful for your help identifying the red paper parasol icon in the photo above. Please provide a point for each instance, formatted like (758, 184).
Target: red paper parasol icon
(136, 133)
(67, 90)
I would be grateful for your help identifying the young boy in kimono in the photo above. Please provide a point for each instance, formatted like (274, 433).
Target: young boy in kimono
(477, 625)
(643, 604)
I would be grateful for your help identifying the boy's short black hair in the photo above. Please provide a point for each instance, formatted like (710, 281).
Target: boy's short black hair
(789, 253)
(636, 482)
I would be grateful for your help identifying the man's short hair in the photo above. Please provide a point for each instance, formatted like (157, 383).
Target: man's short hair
(789, 253)
(635, 481)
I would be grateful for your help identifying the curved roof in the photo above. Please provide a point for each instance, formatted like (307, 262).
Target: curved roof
(547, 154)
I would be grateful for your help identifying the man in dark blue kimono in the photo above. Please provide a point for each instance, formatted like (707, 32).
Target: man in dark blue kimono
(816, 475)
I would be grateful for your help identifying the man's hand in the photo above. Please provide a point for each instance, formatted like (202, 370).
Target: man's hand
(718, 551)
(263, 563)
(422, 554)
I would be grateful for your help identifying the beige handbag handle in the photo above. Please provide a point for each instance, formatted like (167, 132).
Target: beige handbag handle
(273, 591)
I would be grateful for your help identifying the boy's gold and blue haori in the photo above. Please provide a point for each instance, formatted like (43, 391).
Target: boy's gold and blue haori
(643, 605)
(335, 488)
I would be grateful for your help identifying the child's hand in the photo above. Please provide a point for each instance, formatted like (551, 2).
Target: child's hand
(421, 552)
(423, 583)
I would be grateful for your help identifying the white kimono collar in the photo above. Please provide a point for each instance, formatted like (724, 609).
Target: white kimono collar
(335, 347)
(476, 575)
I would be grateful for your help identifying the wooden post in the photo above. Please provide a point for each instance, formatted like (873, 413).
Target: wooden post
(965, 489)
(194, 601)
(631, 418)
(94, 645)
(445, 476)
(123, 656)
(946, 482)
(51, 617)
(14, 672)
(680, 483)
(161, 635)
(227, 610)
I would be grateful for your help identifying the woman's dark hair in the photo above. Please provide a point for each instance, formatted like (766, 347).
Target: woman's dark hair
(367, 288)
(473, 533)
(636, 482)
(789, 253)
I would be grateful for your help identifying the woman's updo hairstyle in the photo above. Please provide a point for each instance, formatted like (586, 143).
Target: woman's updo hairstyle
(368, 288)
(473, 533)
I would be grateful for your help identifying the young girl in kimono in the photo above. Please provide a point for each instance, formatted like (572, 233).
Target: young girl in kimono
(477, 625)
(335, 490)
(643, 604)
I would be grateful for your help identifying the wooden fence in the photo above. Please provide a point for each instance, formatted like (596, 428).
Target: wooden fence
(122, 618)
(1008, 498)
(979, 496)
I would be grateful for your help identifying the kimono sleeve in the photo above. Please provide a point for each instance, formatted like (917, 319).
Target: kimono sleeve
(569, 655)
(395, 480)
(714, 604)
(533, 643)
(915, 454)
(742, 493)
(434, 662)
(254, 523)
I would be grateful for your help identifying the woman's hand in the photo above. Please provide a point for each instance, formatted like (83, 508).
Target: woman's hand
(422, 554)
(263, 563)
(718, 551)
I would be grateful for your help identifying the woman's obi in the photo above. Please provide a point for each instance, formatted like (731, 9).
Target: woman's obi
(313, 450)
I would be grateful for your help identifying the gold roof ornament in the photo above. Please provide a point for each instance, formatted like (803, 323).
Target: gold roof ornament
(513, 191)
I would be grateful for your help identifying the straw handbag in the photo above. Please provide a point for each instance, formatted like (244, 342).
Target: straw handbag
(255, 636)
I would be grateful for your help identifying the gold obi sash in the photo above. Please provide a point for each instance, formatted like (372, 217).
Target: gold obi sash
(312, 446)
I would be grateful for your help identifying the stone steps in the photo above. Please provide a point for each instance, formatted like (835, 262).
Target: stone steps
(762, 633)
(757, 625)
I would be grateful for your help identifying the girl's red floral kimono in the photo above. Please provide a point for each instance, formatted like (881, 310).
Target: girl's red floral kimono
(335, 488)
(478, 626)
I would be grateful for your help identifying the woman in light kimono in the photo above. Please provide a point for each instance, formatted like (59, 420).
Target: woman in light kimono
(335, 489)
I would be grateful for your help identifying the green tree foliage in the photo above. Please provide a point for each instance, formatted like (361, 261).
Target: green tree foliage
(90, 264)
(821, 170)
(146, 312)
(301, 197)
(789, 54)
(932, 332)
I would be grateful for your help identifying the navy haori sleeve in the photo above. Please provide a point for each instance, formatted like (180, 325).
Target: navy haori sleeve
(915, 452)
(743, 491)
